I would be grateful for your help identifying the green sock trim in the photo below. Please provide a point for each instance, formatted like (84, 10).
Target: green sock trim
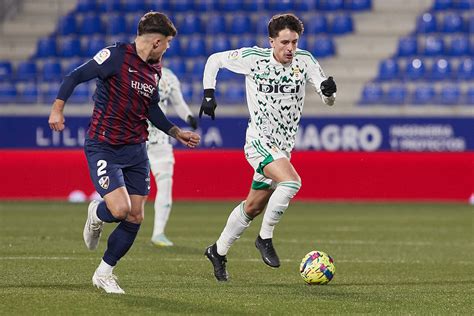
(243, 212)
(256, 185)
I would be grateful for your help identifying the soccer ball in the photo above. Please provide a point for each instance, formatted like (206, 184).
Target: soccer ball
(317, 267)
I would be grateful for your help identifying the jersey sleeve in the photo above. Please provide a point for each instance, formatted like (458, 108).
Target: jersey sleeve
(316, 76)
(176, 97)
(234, 60)
(108, 60)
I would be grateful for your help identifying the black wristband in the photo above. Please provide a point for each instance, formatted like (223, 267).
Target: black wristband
(209, 93)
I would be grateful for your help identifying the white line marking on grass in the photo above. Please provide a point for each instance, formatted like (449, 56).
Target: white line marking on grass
(198, 258)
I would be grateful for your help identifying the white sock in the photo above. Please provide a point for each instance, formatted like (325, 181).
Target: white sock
(163, 202)
(277, 205)
(237, 222)
(104, 268)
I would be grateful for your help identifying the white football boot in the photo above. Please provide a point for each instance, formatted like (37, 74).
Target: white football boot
(107, 282)
(161, 240)
(93, 227)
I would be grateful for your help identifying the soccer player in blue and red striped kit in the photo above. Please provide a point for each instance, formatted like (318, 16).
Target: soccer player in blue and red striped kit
(125, 97)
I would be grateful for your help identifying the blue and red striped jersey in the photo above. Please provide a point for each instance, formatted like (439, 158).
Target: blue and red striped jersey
(126, 86)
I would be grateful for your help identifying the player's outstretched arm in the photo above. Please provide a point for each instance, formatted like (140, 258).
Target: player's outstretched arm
(187, 138)
(56, 117)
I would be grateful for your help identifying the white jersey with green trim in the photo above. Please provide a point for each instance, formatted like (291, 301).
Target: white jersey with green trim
(275, 92)
(169, 90)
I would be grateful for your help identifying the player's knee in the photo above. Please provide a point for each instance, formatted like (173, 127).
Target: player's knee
(120, 210)
(136, 218)
(290, 188)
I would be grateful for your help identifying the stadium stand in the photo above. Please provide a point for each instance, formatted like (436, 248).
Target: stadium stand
(375, 49)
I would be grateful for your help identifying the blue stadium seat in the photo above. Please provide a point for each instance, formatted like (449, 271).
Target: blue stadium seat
(6, 70)
(70, 47)
(26, 71)
(110, 6)
(316, 24)
(330, 5)
(215, 24)
(463, 4)
(322, 47)
(226, 75)
(134, 6)
(177, 65)
(433, 46)
(358, 5)
(246, 41)
(396, 94)
(342, 23)
(304, 5)
(465, 70)
(28, 93)
(133, 23)
(281, 5)
(197, 69)
(234, 93)
(46, 47)
(116, 24)
(51, 71)
(459, 46)
(442, 4)
(426, 23)
(189, 23)
(388, 69)
(470, 95)
(255, 5)
(407, 46)
(452, 23)
(175, 48)
(415, 69)
(372, 94)
(470, 24)
(86, 6)
(423, 94)
(240, 24)
(67, 25)
(195, 47)
(219, 44)
(49, 92)
(261, 27)
(8, 93)
(204, 5)
(93, 46)
(440, 70)
(303, 42)
(229, 6)
(187, 91)
(81, 94)
(91, 24)
(180, 5)
(159, 6)
(450, 94)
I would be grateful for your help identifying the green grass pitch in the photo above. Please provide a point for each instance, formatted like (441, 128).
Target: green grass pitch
(390, 259)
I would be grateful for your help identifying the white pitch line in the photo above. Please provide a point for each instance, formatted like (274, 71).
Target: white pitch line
(197, 259)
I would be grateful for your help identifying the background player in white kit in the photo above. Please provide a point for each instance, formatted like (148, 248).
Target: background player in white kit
(275, 84)
(160, 153)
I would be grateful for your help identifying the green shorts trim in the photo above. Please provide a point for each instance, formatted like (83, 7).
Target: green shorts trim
(265, 162)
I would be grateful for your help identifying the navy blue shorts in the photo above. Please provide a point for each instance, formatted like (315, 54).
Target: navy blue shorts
(114, 166)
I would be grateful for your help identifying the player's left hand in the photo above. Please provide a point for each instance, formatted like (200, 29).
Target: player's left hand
(328, 87)
(191, 120)
(208, 105)
(188, 138)
(56, 117)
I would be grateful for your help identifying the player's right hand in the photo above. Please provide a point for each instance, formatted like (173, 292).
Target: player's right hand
(208, 105)
(56, 118)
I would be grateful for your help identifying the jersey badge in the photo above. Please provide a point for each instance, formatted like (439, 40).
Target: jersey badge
(104, 182)
(102, 56)
(296, 73)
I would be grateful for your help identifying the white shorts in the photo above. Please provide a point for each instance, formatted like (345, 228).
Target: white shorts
(158, 154)
(258, 155)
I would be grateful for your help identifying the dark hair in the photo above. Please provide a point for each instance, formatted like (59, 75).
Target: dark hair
(156, 22)
(284, 21)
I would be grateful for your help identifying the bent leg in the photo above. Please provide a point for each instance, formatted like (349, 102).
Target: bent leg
(241, 217)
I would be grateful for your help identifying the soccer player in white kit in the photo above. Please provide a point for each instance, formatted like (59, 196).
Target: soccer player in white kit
(160, 153)
(275, 88)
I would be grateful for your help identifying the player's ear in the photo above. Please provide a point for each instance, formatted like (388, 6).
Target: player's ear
(271, 41)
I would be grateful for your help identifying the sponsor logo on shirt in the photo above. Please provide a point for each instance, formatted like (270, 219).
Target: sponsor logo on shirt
(278, 88)
(143, 88)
